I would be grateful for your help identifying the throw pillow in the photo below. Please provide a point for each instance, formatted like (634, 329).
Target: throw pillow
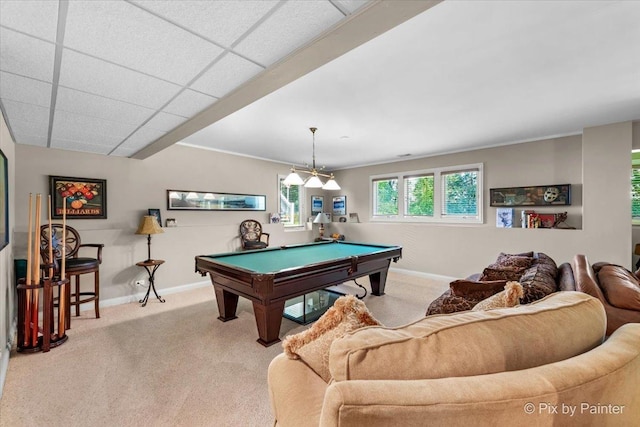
(510, 297)
(312, 346)
(520, 261)
(539, 280)
(494, 272)
(482, 290)
(620, 287)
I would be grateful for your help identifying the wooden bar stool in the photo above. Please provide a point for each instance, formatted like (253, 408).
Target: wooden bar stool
(74, 265)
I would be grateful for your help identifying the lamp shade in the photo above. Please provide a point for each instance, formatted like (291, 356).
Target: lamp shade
(149, 225)
(293, 179)
(331, 185)
(313, 182)
(322, 218)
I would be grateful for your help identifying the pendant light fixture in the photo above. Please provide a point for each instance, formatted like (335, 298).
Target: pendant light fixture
(313, 181)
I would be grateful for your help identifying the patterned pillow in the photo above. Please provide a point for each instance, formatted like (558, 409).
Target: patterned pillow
(312, 345)
(506, 260)
(450, 303)
(540, 279)
(495, 272)
(461, 288)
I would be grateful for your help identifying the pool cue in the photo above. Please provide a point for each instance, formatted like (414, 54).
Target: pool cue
(62, 290)
(36, 257)
(50, 239)
(27, 309)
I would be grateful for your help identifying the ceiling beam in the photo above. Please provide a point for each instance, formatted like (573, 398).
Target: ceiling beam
(366, 24)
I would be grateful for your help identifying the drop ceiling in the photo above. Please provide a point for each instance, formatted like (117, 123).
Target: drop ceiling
(381, 80)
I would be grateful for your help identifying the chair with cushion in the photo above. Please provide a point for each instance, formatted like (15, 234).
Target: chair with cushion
(75, 265)
(252, 236)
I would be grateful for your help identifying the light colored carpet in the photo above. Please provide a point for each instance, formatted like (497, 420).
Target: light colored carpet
(171, 364)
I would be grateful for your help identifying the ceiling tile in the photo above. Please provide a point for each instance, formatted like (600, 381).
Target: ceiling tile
(26, 55)
(189, 103)
(220, 21)
(73, 101)
(37, 116)
(124, 152)
(351, 5)
(141, 138)
(125, 34)
(227, 74)
(290, 27)
(38, 18)
(21, 133)
(65, 144)
(76, 127)
(24, 89)
(165, 121)
(92, 75)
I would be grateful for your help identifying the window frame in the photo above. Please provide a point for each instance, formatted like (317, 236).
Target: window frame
(438, 217)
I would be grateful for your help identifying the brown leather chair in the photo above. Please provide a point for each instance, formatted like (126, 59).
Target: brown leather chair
(74, 265)
(586, 281)
(251, 235)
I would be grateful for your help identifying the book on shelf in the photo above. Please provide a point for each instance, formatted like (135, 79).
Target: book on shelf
(533, 219)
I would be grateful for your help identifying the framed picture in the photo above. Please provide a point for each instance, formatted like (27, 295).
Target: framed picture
(156, 213)
(540, 195)
(340, 205)
(208, 201)
(317, 204)
(4, 201)
(86, 197)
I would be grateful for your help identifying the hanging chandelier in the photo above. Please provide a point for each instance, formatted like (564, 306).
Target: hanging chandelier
(312, 181)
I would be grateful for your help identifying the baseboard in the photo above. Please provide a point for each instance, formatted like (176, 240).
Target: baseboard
(138, 296)
(425, 275)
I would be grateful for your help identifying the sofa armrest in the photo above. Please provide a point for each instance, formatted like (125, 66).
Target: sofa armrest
(296, 392)
(565, 279)
(606, 375)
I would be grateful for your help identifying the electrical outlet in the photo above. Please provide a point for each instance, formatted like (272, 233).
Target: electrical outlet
(140, 282)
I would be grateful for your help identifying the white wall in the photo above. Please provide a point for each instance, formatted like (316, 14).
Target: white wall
(461, 250)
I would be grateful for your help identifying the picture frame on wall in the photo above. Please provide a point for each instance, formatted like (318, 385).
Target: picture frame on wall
(86, 197)
(539, 195)
(156, 213)
(4, 201)
(317, 204)
(339, 205)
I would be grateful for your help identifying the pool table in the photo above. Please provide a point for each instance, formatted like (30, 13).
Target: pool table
(269, 277)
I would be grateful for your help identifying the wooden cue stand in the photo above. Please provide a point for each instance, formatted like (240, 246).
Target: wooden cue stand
(47, 335)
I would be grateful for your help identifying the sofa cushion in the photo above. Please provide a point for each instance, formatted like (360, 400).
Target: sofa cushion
(473, 342)
(312, 345)
(482, 290)
(517, 260)
(620, 287)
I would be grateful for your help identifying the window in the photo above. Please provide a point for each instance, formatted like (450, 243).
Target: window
(452, 194)
(291, 204)
(385, 196)
(635, 194)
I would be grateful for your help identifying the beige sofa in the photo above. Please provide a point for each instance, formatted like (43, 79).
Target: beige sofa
(543, 363)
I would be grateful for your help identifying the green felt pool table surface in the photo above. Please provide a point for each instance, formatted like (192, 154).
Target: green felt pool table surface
(284, 258)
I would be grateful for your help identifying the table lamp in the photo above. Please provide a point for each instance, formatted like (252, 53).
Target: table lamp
(149, 225)
(637, 252)
(322, 219)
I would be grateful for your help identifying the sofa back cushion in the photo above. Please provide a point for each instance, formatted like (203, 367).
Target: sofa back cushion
(554, 328)
(620, 287)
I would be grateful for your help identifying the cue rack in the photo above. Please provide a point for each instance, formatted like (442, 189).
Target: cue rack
(35, 335)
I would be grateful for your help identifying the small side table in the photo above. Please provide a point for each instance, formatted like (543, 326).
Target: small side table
(151, 266)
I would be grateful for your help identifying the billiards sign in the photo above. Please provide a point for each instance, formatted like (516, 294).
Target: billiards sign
(86, 198)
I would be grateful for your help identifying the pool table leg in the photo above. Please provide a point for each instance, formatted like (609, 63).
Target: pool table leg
(227, 304)
(268, 321)
(378, 280)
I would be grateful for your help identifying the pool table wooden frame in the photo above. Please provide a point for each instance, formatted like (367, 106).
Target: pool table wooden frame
(269, 291)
